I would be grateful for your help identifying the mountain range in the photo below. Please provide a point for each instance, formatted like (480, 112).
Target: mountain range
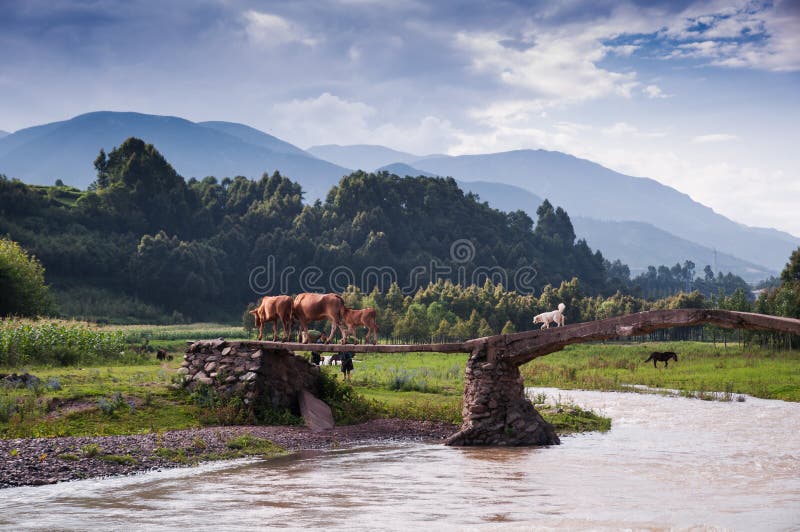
(635, 219)
(65, 150)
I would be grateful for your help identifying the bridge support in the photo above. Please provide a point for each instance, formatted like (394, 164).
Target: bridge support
(496, 410)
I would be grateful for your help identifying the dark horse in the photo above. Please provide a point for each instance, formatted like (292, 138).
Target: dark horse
(659, 356)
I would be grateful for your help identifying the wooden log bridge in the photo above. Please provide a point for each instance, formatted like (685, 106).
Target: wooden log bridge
(496, 410)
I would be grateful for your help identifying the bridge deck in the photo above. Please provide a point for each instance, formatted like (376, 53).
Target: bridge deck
(460, 347)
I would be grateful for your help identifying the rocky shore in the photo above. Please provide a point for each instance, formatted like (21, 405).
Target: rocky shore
(37, 461)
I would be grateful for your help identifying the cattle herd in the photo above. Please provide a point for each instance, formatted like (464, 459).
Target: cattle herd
(308, 307)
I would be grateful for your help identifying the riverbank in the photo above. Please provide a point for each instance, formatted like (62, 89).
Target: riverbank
(37, 461)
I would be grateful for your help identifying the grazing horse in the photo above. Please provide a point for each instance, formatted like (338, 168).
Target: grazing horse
(310, 307)
(556, 316)
(658, 356)
(364, 317)
(274, 308)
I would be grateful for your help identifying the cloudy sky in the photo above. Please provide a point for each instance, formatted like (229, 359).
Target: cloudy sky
(703, 96)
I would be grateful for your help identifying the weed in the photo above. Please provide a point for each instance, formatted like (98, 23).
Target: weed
(119, 459)
(90, 450)
(54, 383)
(70, 457)
(111, 405)
(249, 444)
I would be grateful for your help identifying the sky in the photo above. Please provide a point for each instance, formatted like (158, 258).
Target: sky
(703, 96)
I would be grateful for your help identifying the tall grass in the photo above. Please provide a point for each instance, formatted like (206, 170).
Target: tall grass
(24, 342)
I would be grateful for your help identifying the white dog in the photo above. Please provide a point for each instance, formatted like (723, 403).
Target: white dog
(556, 316)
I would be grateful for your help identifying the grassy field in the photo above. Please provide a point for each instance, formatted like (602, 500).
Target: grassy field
(701, 368)
(135, 393)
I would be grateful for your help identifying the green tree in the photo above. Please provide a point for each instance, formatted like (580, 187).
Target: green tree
(508, 328)
(791, 273)
(22, 288)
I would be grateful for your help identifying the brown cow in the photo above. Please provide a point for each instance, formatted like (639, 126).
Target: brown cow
(310, 307)
(274, 308)
(364, 317)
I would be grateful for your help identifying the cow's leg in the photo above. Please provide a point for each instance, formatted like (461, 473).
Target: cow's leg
(287, 330)
(275, 330)
(302, 331)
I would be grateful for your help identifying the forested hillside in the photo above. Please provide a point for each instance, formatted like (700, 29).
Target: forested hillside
(145, 239)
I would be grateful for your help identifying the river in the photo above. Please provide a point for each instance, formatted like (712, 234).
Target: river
(668, 462)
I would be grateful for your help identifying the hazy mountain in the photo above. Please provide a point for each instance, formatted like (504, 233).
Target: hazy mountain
(403, 170)
(587, 189)
(637, 244)
(255, 136)
(365, 157)
(3, 133)
(65, 150)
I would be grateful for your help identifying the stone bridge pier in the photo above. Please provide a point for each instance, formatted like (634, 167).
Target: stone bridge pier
(496, 409)
(251, 372)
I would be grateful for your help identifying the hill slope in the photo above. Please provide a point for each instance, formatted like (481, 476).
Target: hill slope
(367, 157)
(636, 244)
(587, 189)
(65, 150)
(404, 170)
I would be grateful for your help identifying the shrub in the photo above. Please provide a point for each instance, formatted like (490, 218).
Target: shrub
(348, 407)
(21, 282)
(111, 405)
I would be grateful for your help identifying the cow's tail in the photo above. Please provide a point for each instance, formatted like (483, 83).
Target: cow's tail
(561, 307)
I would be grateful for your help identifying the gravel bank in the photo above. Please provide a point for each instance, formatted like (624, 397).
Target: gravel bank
(37, 461)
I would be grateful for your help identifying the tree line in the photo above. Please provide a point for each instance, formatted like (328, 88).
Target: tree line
(144, 243)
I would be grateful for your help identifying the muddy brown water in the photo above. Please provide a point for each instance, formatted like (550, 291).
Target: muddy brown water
(667, 463)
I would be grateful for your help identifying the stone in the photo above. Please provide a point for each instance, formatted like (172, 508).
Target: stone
(182, 371)
(199, 375)
(256, 354)
(254, 366)
(205, 380)
(209, 367)
(247, 377)
(227, 351)
(316, 413)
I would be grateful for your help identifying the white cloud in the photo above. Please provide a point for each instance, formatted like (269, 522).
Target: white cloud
(560, 68)
(654, 91)
(620, 129)
(745, 35)
(268, 30)
(329, 118)
(714, 137)
(625, 50)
